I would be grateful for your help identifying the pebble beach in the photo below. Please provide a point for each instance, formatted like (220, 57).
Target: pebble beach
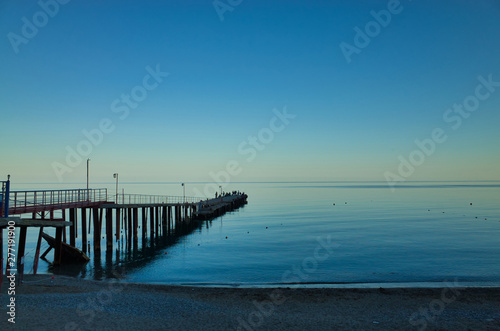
(65, 303)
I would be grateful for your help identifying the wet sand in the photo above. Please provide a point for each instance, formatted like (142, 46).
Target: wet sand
(73, 304)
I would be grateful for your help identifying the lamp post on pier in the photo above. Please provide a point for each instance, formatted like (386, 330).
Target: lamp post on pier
(184, 192)
(115, 175)
(88, 197)
(88, 160)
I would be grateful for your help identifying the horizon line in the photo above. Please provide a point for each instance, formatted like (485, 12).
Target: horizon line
(266, 182)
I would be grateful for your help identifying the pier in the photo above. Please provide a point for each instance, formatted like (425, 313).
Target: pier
(88, 215)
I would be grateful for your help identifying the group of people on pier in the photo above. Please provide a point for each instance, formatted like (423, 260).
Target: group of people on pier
(226, 194)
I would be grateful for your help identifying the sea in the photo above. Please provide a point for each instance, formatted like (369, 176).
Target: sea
(311, 234)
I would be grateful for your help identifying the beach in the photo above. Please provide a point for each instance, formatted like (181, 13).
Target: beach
(66, 303)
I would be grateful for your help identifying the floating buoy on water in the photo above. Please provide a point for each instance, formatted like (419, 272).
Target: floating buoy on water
(471, 203)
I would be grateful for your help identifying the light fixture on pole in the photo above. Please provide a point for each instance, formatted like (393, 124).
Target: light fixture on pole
(184, 192)
(88, 160)
(115, 175)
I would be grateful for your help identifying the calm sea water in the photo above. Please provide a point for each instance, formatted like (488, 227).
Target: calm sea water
(343, 232)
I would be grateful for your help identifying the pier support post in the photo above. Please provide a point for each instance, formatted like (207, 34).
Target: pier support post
(76, 223)
(125, 224)
(129, 227)
(20, 252)
(101, 211)
(97, 230)
(109, 228)
(164, 220)
(169, 220)
(58, 246)
(37, 252)
(84, 230)
(136, 224)
(51, 217)
(178, 220)
(151, 223)
(118, 224)
(72, 227)
(157, 220)
(144, 224)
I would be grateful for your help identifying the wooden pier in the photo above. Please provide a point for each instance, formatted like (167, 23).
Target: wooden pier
(116, 220)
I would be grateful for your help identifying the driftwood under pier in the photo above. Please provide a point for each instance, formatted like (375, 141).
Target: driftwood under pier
(69, 254)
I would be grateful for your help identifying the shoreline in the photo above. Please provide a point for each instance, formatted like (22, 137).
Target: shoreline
(66, 303)
(335, 285)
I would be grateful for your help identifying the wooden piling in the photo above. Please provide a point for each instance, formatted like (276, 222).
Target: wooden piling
(164, 220)
(37, 252)
(125, 223)
(136, 224)
(20, 252)
(151, 223)
(169, 220)
(178, 217)
(84, 230)
(160, 221)
(76, 224)
(97, 230)
(157, 220)
(118, 224)
(129, 225)
(51, 217)
(144, 224)
(109, 228)
(72, 227)
(58, 246)
(101, 211)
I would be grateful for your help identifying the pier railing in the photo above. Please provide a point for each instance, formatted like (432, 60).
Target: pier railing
(36, 201)
(132, 199)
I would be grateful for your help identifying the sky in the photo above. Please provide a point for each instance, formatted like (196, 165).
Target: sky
(167, 91)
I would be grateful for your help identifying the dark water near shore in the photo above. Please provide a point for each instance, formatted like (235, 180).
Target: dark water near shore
(293, 232)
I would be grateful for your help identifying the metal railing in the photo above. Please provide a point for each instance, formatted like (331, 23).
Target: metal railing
(132, 199)
(32, 201)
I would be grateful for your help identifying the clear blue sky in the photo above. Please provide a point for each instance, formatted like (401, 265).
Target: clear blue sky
(353, 120)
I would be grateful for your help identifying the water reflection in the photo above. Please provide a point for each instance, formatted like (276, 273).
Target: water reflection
(126, 255)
